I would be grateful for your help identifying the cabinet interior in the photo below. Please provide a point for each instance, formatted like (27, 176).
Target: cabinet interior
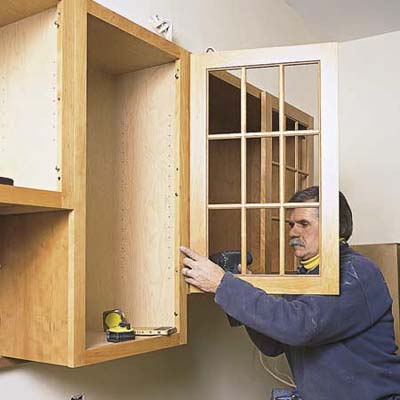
(29, 98)
(131, 179)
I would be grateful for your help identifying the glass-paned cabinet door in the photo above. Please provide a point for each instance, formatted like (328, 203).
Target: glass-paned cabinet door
(264, 125)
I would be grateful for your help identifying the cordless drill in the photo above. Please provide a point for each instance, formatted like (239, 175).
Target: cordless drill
(229, 260)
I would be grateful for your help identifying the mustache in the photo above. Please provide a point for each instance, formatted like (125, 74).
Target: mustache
(296, 242)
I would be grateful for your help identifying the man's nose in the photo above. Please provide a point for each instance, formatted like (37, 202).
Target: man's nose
(293, 232)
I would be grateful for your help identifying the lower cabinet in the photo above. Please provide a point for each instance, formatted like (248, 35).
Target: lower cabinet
(387, 257)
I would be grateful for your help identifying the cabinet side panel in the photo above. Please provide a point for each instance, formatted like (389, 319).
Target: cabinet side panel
(386, 257)
(131, 203)
(33, 286)
(146, 194)
(101, 204)
(28, 101)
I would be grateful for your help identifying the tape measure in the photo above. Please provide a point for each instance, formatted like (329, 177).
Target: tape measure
(117, 327)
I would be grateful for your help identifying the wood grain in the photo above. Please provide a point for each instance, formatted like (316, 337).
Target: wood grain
(387, 258)
(131, 209)
(115, 51)
(28, 98)
(15, 10)
(152, 46)
(33, 287)
(17, 196)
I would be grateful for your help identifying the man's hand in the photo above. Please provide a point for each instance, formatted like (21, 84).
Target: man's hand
(200, 271)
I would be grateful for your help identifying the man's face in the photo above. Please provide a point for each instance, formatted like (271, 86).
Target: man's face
(304, 232)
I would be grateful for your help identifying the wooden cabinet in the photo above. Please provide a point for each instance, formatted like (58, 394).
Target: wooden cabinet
(94, 123)
(387, 257)
(94, 132)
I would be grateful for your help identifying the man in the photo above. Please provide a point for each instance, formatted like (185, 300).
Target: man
(338, 347)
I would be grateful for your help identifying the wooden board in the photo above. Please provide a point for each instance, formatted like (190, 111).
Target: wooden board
(28, 98)
(387, 258)
(33, 287)
(114, 50)
(102, 351)
(131, 196)
(14, 10)
(16, 200)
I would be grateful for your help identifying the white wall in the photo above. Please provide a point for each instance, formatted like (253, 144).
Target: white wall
(219, 362)
(369, 110)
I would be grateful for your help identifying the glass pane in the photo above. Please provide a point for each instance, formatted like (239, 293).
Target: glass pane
(304, 171)
(302, 92)
(261, 185)
(224, 171)
(224, 230)
(261, 80)
(302, 249)
(302, 152)
(273, 250)
(262, 237)
(253, 112)
(224, 102)
(290, 151)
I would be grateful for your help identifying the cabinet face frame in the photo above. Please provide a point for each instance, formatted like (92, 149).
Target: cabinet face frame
(326, 55)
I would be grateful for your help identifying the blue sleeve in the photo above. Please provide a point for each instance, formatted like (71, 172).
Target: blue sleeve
(265, 344)
(309, 319)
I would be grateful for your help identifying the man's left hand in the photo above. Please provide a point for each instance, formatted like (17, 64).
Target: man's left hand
(199, 271)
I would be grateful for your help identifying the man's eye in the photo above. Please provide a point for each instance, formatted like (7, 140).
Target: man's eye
(304, 224)
(291, 225)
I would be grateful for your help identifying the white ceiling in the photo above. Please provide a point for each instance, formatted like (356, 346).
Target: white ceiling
(340, 20)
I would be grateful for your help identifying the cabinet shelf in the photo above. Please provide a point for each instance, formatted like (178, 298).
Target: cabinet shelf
(99, 350)
(18, 200)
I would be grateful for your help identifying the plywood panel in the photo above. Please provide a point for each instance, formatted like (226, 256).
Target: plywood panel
(28, 99)
(33, 286)
(115, 51)
(101, 214)
(131, 196)
(14, 10)
(387, 257)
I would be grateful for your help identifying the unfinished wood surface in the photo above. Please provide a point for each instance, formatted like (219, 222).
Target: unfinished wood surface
(73, 84)
(101, 350)
(14, 10)
(115, 51)
(33, 287)
(131, 206)
(282, 165)
(387, 258)
(118, 45)
(243, 158)
(17, 196)
(28, 98)
(182, 181)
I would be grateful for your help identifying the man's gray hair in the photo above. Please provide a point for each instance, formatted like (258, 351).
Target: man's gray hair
(345, 214)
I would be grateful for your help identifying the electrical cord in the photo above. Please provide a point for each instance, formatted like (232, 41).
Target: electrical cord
(289, 382)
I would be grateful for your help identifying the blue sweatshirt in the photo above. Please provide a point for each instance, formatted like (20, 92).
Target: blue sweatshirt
(338, 347)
